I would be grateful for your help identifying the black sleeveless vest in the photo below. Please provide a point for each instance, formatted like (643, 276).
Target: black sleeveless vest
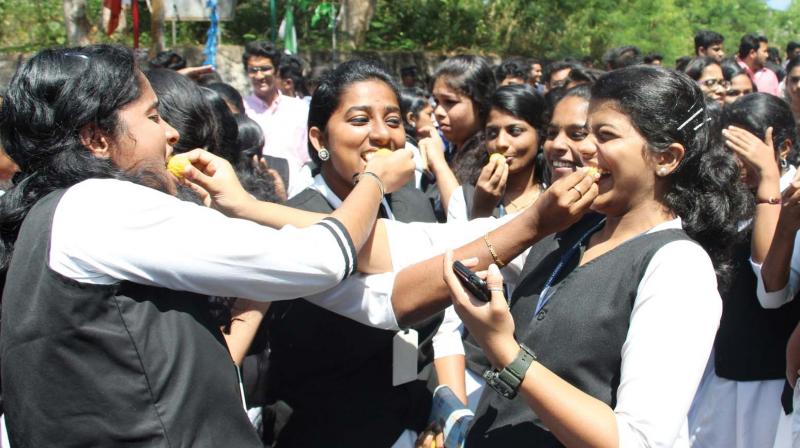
(110, 365)
(335, 373)
(578, 335)
(751, 341)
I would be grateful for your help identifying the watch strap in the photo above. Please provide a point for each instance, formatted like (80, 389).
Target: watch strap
(507, 381)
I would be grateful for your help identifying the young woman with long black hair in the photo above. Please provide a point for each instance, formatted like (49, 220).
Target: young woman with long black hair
(738, 402)
(347, 395)
(619, 312)
(106, 339)
(513, 181)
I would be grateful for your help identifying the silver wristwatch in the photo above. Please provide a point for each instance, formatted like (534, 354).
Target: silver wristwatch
(507, 381)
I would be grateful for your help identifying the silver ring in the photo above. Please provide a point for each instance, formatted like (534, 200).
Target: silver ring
(576, 189)
(496, 289)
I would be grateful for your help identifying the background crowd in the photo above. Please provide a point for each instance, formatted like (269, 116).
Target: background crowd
(654, 295)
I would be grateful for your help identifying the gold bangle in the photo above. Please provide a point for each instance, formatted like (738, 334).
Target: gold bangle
(489, 245)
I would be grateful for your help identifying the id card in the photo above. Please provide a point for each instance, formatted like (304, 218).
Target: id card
(404, 356)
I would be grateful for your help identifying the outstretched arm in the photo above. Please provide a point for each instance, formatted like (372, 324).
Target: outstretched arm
(420, 290)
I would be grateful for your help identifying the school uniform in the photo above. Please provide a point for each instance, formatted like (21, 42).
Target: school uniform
(106, 339)
(336, 374)
(632, 328)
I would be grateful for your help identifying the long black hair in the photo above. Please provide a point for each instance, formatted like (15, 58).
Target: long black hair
(412, 100)
(331, 87)
(472, 76)
(200, 115)
(668, 107)
(757, 112)
(51, 98)
(523, 102)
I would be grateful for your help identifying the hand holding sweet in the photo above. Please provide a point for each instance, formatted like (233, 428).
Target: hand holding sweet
(490, 186)
(564, 202)
(394, 169)
(215, 181)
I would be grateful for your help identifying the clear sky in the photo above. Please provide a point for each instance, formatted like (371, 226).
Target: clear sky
(779, 4)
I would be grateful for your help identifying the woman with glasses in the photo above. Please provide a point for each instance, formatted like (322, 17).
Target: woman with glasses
(708, 74)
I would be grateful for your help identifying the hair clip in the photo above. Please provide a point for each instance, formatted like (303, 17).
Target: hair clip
(701, 124)
(688, 120)
(77, 55)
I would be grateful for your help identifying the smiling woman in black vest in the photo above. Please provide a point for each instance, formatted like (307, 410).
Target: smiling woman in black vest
(335, 373)
(619, 312)
(106, 337)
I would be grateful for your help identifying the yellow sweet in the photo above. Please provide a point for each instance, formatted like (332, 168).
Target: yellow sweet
(495, 156)
(592, 170)
(383, 152)
(177, 165)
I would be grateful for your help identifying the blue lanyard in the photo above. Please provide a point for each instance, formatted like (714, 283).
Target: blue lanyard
(545, 295)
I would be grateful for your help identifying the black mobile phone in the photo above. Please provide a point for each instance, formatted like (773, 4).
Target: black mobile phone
(472, 282)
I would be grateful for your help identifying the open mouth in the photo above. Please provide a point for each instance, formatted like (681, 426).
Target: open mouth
(366, 156)
(564, 164)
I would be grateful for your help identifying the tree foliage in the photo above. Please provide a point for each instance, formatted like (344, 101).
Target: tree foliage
(542, 28)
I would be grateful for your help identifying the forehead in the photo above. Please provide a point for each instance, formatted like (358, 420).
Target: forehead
(371, 92)
(607, 112)
(742, 81)
(501, 117)
(712, 70)
(147, 96)
(441, 87)
(571, 110)
(258, 61)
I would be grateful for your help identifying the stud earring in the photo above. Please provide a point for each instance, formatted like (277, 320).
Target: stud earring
(662, 172)
(324, 154)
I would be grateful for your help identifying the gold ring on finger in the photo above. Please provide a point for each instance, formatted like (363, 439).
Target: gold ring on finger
(578, 190)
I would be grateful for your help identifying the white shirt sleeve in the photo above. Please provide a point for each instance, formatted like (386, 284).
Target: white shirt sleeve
(776, 299)
(672, 330)
(457, 206)
(106, 231)
(364, 298)
(447, 340)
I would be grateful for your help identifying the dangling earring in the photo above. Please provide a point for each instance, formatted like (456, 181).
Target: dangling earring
(413, 124)
(324, 154)
(784, 164)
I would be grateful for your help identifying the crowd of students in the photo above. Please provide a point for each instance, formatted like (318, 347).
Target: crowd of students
(636, 227)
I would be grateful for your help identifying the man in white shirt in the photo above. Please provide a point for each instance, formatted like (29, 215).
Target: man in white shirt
(283, 119)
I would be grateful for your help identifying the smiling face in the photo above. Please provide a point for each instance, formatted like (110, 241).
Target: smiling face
(455, 112)
(261, 73)
(145, 141)
(514, 138)
(367, 119)
(628, 178)
(567, 138)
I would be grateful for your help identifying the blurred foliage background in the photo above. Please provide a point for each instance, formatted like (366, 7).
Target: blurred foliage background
(546, 29)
